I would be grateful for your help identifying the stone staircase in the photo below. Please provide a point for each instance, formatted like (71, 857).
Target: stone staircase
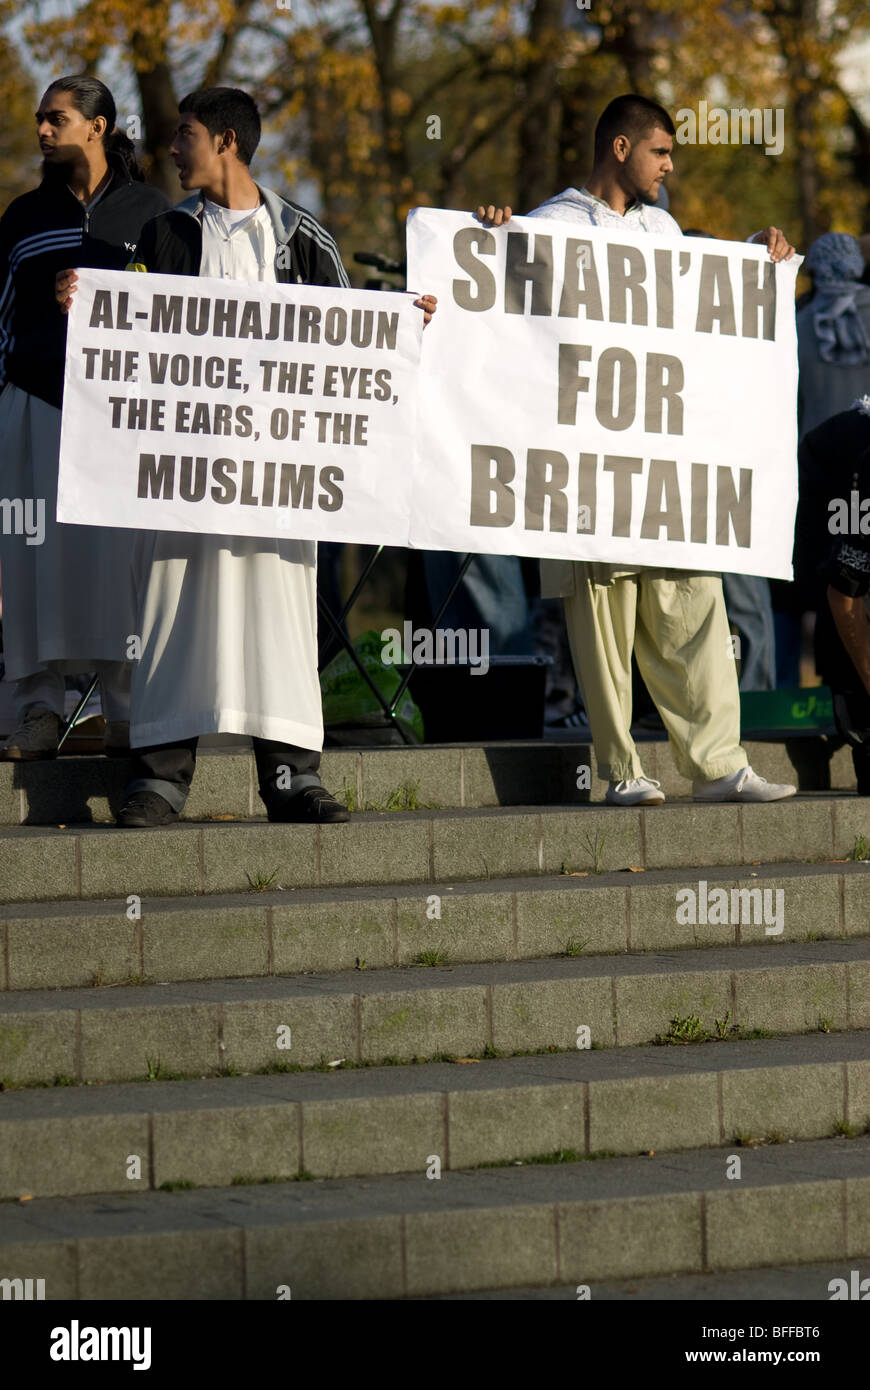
(464, 1045)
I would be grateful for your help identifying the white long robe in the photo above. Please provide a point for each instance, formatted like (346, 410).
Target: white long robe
(229, 639)
(228, 623)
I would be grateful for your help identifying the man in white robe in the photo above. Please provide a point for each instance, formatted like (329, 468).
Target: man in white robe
(228, 624)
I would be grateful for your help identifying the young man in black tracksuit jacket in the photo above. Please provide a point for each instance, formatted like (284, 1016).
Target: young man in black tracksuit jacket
(306, 254)
(67, 601)
(46, 231)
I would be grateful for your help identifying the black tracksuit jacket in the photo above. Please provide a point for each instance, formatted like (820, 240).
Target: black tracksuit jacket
(47, 230)
(306, 254)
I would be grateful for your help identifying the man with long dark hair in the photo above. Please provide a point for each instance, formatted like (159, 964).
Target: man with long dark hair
(67, 596)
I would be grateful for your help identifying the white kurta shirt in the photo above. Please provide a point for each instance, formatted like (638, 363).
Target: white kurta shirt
(228, 623)
(237, 243)
(558, 577)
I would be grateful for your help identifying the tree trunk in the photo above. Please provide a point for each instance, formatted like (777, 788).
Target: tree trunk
(150, 55)
(631, 46)
(384, 34)
(796, 25)
(160, 117)
(537, 132)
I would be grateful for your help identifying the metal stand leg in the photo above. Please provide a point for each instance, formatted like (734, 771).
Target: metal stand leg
(355, 591)
(77, 712)
(328, 647)
(406, 679)
(385, 704)
(388, 706)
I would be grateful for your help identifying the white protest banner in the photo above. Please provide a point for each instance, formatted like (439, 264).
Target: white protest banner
(238, 408)
(598, 394)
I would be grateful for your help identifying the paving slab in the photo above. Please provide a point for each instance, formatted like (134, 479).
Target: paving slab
(108, 942)
(425, 847)
(200, 1027)
(402, 1235)
(814, 1282)
(545, 772)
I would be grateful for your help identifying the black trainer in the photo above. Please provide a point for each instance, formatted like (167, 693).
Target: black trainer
(314, 806)
(144, 809)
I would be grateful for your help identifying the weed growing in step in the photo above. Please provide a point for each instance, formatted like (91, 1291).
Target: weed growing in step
(742, 1140)
(261, 882)
(843, 1130)
(157, 1072)
(861, 849)
(97, 981)
(405, 797)
(595, 848)
(435, 956)
(685, 1030)
(557, 1156)
(573, 947)
(303, 1176)
(692, 1030)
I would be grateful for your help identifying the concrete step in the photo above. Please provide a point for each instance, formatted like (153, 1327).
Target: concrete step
(200, 1028)
(72, 790)
(426, 847)
(782, 1284)
(101, 943)
(66, 1141)
(406, 1235)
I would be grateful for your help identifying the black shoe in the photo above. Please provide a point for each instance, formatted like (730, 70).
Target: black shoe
(314, 806)
(145, 809)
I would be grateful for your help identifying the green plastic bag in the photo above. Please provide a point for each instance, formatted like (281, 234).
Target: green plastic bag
(347, 699)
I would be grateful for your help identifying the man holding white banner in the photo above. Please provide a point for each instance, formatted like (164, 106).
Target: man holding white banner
(228, 623)
(674, 620)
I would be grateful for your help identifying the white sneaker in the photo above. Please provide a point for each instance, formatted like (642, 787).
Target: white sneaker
(743, 785)
(639, 791)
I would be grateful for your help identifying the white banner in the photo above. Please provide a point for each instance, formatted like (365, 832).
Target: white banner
(588, 393)
(239, 408)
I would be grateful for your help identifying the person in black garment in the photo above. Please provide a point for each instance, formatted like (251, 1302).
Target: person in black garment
(832, 567)
(68, 601)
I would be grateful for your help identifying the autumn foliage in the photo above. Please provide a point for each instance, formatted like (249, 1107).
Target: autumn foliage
(373, 108)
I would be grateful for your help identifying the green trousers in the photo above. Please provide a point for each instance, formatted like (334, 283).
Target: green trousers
(676, 623)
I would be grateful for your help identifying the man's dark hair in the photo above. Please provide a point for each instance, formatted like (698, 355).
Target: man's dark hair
(632, 116)
(226, 108)
(92, 98)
